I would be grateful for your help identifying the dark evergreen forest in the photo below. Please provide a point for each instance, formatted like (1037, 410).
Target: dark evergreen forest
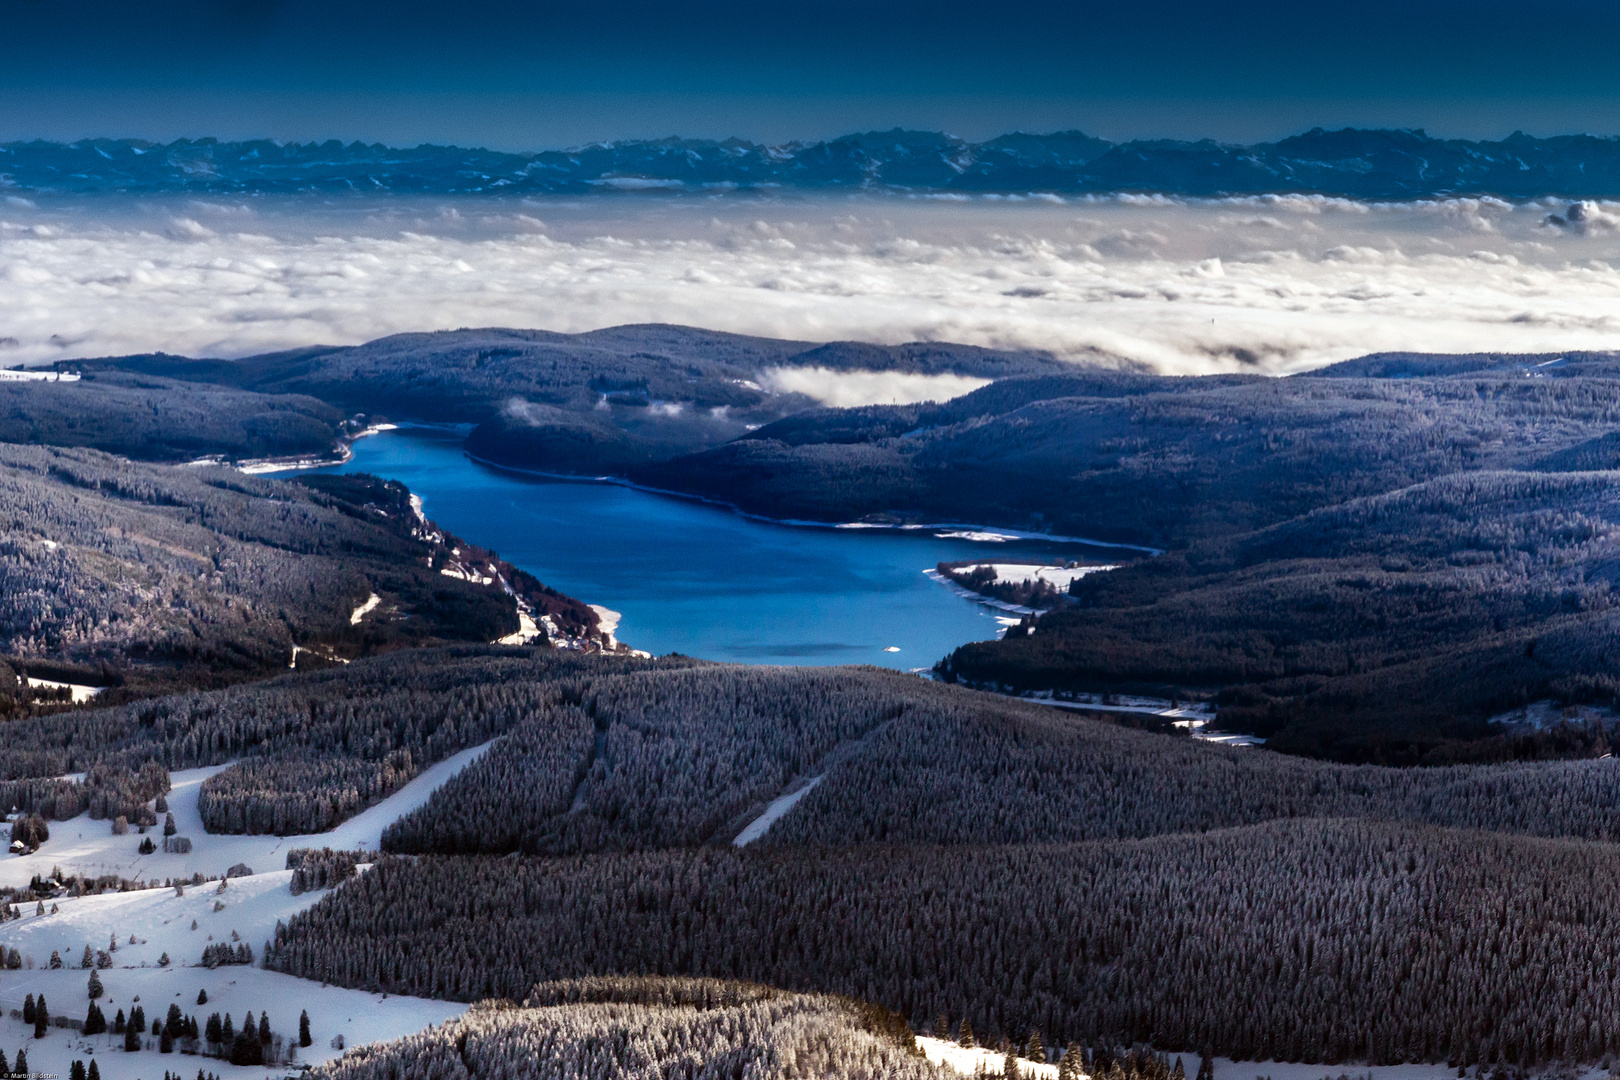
(1305, 940)
(155, 419)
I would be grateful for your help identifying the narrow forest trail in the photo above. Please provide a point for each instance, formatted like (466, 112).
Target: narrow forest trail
(758, 820)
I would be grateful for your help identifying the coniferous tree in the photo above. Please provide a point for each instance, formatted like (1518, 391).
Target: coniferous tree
(95, 1021)
(21, 1064)
(5, 1063)
(95, 988)
(1009, 1064)
(95, 1071)
(89, 960)
(213, 1031)
(246, 1048)
(42, 1017)
(964, 1036)
(303, 1028)
(1034, 1049)
(202, 997)
(132, 1037)
(28, 1009)
(118, 1023)
(264, 1028)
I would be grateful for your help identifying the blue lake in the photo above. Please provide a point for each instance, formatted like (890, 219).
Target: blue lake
(697, 579)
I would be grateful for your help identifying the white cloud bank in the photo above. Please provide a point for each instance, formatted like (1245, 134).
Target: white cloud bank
(849, 389)
(1270, 284)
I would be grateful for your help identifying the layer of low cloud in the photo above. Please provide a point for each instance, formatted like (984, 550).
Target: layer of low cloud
(848, 389)
(1271, 284)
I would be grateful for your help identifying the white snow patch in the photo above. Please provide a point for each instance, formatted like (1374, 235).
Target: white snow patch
(773, 813)
(79, 694)
(968, 1061)
(527, 630)
(977, 536)
(15, 375)
(1058, 576)
(607, 622)
(161, 923)
(87, 847)
(364, 609)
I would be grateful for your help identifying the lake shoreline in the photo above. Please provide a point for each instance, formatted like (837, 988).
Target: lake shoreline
(962, 528)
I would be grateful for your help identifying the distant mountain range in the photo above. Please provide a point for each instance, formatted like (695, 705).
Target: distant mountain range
(1353, 163)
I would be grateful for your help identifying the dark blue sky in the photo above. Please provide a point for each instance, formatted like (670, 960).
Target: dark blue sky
(541, 74)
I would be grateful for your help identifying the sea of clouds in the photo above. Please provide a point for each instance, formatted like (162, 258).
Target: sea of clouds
(1277, 284)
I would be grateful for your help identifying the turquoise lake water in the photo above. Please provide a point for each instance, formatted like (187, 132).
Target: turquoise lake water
(701, 580)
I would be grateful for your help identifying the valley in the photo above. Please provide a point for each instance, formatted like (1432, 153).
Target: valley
(1333, 685)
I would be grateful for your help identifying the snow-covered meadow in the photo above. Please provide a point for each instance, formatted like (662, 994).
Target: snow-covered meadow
(87, 847)
(170, 930)
(162, 922)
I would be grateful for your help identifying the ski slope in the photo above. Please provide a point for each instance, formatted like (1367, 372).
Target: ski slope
(87, 847)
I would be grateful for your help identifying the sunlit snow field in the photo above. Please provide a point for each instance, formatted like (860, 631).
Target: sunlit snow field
(1274, 284)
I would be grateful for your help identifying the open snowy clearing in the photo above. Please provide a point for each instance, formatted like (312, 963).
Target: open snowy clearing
(87, 847)
(161, 922)
(969, 1060)
(79, 694)
(1059, 577)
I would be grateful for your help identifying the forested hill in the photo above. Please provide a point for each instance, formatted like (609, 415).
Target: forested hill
(117, 572)
(1365, 563)
(1143, 459)
(1371, 164)
(156, 419)
(590, 403)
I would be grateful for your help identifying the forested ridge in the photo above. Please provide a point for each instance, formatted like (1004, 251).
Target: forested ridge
(155, 419)
(147, 572)
(649, 1029)
(314, 748)
(684, 758)
(590, 403)
(1386, 628)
